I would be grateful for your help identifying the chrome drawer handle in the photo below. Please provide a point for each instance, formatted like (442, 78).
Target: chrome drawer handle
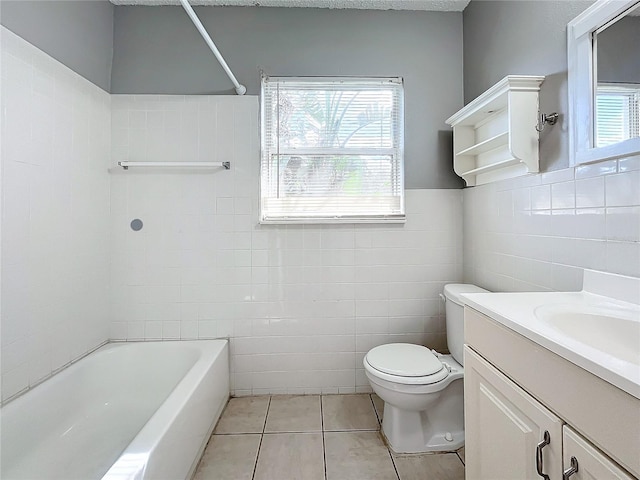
(546, 440)
(571, 470)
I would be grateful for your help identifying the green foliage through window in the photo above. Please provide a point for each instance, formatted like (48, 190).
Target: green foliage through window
(332, 148)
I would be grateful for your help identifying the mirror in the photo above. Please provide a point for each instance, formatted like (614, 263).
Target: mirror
(604, 81)
(617, 70)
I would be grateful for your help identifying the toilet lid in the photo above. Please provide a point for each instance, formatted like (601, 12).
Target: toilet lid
(404, 360)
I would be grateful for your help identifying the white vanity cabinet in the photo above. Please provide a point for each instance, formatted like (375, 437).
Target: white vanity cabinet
(516, 390)
(504, 427)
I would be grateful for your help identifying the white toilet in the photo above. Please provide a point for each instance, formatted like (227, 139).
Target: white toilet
(421, 388)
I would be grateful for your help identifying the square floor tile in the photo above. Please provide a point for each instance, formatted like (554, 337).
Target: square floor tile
(243, 415)
(348, 412)
(357, 456)
(294, 413)
(290, 456)
(293, 447)
(444, 466)
(229, 457)
(378, 404)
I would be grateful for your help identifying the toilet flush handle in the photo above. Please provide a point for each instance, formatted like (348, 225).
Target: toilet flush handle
(443, 298)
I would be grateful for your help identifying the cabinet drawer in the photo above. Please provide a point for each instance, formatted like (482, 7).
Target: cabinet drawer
(590, 462)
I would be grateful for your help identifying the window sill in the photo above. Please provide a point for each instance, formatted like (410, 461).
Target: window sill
(319, 221)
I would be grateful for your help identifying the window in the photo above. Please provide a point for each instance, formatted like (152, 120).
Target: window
(332, 150)
(617, 113)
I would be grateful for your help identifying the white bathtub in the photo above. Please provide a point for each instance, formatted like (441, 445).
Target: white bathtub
(127, 411)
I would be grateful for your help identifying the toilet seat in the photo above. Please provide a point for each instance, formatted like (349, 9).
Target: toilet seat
(406, 364)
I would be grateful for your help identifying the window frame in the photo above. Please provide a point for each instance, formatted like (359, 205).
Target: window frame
(395, 152)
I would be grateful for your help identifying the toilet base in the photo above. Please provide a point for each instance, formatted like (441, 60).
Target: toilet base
(437, 427)
(413, 432)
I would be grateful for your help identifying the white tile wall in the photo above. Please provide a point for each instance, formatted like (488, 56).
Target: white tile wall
(55, 214)
(301, 304)
(539, 232)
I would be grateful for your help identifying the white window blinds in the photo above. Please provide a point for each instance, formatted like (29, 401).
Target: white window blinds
(617, 113)
(332, 150)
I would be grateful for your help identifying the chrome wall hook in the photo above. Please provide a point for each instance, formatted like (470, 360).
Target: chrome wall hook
(545, 119)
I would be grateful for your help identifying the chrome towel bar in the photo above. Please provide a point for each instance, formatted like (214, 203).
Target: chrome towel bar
(225, 165)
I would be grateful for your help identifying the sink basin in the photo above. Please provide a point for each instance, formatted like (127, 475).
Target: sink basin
(611, 330)
(597, 329)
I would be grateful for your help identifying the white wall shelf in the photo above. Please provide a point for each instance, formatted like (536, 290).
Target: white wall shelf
(486, 145)
(495, 136)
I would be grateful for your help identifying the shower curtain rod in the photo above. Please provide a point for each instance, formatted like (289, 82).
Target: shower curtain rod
(240, 89)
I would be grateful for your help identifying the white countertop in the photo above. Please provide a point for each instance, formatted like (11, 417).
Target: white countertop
(517, 312)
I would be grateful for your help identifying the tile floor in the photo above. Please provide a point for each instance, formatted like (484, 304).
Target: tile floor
(309, 437)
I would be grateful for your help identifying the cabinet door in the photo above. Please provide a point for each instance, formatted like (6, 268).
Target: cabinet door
(591, 463)
(504, 425)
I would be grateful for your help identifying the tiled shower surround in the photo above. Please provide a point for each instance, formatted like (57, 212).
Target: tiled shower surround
(301, 304)
(55, 215)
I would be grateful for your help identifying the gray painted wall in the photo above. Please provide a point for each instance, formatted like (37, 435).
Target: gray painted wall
(523, 38)
(79, 34)
(157, 50)
(619, 52)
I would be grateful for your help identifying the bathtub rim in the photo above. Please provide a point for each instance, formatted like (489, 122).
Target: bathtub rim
(95, 349)
(144, 436)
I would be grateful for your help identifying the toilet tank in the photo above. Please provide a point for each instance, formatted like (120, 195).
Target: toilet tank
(454, 311)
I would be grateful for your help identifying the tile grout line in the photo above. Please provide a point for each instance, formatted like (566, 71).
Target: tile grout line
(373, 404)
(234, 434)
(324, 451)
(393, 462)
(264, 425)
(354, 430)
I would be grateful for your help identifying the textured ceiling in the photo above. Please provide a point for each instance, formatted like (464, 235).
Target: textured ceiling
(433, 5)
